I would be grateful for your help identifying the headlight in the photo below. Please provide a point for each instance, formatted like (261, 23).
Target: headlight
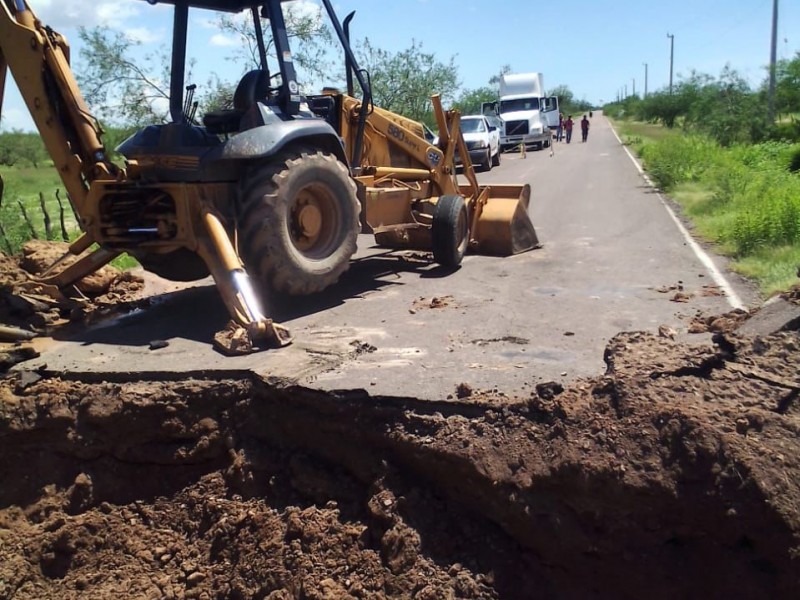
(481, 144)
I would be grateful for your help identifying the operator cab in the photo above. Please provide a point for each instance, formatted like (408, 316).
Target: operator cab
(268, 111)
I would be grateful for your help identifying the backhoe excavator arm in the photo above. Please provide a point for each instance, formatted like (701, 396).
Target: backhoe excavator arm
(39, 61)
(38, 58)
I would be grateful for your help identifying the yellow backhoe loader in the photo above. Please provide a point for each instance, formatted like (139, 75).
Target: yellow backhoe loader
(278, 186)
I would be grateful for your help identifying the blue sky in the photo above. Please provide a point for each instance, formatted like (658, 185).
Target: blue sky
(596, 47)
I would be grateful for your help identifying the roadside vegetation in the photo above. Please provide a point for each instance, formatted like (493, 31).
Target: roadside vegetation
(710, 146)
(33, 202)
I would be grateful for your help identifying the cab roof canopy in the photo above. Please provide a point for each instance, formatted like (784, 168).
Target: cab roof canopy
(221, 5)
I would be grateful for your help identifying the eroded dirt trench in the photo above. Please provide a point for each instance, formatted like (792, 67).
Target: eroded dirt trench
(674, 475)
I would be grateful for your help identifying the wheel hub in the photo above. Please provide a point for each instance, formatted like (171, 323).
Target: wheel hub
(310, 220)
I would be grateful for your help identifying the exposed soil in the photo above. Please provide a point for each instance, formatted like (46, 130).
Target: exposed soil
(39, 308)
(724, 323)
(435, 302)
(676, 474)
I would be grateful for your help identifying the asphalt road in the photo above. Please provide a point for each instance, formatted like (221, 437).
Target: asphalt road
(609, 246)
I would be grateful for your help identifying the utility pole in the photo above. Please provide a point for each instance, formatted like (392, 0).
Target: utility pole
(626, 90)
(773, 52)
(634, 86)
(645, 79)
(672, 56)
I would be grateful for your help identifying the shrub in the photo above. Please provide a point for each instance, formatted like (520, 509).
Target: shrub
(679, 159)
(768, 213)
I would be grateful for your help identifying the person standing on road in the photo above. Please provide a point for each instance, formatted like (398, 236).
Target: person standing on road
(568, 128)
(584, 128)
(560, 130)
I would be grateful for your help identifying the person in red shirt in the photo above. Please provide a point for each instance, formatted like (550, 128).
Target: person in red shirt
(584, 128)
(568, 128)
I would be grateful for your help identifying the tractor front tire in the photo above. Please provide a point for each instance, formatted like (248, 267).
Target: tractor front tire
(299, 222)
(449, 231)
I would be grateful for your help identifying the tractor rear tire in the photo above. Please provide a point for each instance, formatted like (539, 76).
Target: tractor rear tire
(450, 231)
(299, 219)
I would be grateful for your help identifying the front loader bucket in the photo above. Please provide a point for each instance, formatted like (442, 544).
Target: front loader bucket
(503, 226)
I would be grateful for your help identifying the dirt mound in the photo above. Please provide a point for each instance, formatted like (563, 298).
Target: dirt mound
(29, 307)
(793, 295)
(675, 474)
(724, 323)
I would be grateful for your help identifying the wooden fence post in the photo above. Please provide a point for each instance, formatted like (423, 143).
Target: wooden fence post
(48, 231)
(27, 220)
(64, 235)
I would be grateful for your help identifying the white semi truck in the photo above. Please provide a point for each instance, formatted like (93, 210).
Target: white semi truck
(528, 115)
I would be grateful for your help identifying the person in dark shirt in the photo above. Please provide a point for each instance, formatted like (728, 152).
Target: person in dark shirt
(584, 128)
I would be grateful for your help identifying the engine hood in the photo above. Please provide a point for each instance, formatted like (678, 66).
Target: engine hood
(521, 115)
(476, 136)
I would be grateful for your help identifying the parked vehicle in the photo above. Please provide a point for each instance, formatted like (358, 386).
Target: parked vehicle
(429, 136)
(483, 141)
(528, 115)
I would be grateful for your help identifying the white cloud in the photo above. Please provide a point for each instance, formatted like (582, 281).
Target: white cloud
(16, 118)
(223, 41)
(205, 22)
(144, 35)
(304, 8)
(115, 13)
(64, 14)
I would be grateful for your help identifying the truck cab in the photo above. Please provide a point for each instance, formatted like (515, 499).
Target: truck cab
(525, 122)
(528, 115)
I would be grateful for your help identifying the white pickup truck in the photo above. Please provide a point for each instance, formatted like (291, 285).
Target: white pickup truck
(482, 136)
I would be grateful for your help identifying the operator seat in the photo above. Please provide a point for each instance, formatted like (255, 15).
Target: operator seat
(253, 87)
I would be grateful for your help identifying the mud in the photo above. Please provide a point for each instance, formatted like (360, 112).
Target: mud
(674, 475)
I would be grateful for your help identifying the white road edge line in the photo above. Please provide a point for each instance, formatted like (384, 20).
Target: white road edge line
(703, 257)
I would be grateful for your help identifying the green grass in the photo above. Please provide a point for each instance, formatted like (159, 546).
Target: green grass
(775, 268)
(24, 184)
(644, 132)
(743, 198)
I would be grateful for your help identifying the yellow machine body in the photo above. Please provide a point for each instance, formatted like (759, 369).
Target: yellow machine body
(176, 211)
(402, 175)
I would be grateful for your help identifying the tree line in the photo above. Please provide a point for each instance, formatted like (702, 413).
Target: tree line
(127, 89)
(127, 92)
(724, 107)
